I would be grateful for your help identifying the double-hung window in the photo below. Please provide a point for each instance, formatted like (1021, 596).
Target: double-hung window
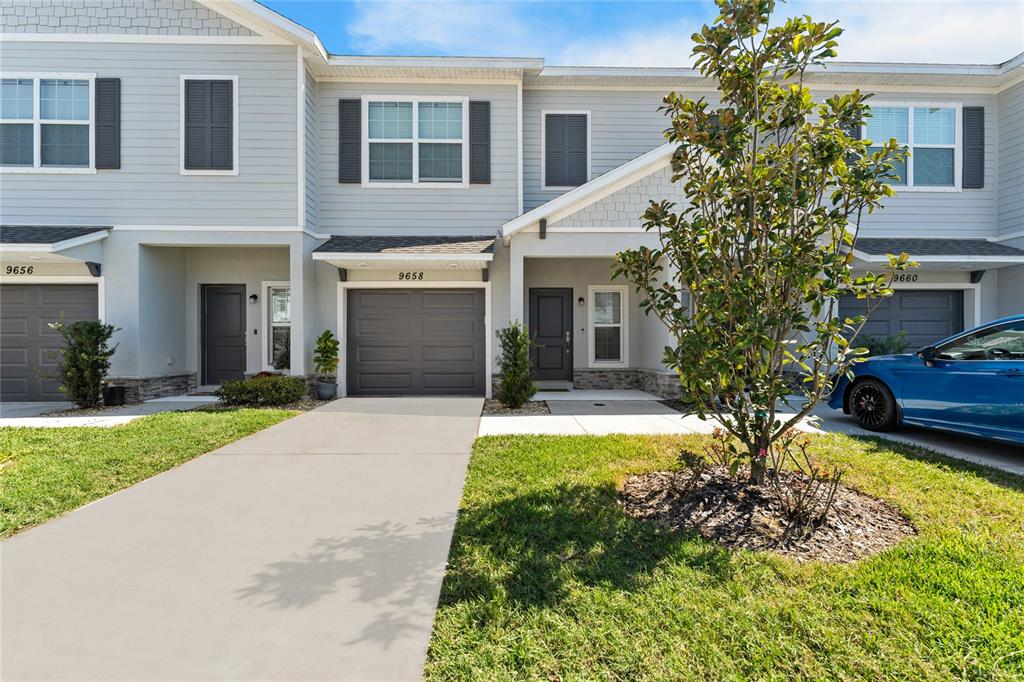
(931, 135)
(278, 297)
(416, 141)
(608, 315)
(46, 123)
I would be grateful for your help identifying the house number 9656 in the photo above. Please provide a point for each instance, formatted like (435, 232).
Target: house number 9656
(410, 276)
(20, 270)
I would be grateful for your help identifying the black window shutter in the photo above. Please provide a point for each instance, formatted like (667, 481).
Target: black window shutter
(576, 149)
(554, 151)
(974, 147)
(221, 125)
(350, 143)
(480, 143)
(209, 125)
(107, 121)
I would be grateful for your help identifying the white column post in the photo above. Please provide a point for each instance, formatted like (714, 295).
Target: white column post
(515, 283)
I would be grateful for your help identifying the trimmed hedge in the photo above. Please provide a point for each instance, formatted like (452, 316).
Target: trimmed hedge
(268, 389)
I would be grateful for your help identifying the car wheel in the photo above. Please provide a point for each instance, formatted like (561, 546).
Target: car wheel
(872, 405)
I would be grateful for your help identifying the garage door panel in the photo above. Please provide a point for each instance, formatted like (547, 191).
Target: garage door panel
(29, 346)
(415, 341)
(925, 315)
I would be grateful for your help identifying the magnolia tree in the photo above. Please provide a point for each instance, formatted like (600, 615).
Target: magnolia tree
(775, 187)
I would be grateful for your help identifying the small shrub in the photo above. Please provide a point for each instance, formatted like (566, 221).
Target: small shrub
(325, 354)
(83, 362)
(885, 345)
(263, 389)
(517, 384)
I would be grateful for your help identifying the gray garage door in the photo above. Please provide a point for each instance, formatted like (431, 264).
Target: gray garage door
(26, 340)
(415, 341)
(926, 315)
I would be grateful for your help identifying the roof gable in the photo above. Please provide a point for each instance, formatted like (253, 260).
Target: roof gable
(154, 17)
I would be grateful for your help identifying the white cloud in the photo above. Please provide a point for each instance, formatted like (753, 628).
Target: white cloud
(940, 32)
(462, 28)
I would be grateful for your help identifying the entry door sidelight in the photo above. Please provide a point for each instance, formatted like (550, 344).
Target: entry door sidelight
(551, 331)
(224, 325)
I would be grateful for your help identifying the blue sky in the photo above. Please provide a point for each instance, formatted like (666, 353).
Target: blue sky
(648, 33)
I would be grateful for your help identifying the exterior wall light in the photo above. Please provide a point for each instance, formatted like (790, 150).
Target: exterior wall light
(253, 298)
(580, 301)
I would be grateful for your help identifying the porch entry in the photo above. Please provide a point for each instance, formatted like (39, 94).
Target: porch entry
(551, 331)
(223, 332)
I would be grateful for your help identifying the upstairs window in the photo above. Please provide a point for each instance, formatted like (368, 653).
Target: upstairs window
(46, 123)
(416, 141)
(565, 140)
(209, 125)
(930, 133)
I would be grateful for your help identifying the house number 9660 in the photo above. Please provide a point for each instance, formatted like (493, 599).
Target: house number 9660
(410, 276)
(905, 277)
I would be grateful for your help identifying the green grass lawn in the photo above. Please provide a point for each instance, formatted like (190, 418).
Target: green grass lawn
(548, 579)
(46, 472)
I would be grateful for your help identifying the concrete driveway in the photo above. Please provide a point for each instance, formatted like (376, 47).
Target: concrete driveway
(312, 550)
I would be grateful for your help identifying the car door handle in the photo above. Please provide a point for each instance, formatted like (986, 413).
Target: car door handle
(1010, 373)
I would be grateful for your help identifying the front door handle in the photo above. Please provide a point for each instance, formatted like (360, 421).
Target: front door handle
(568, 341)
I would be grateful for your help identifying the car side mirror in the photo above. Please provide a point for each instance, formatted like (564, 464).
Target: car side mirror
(928, 354)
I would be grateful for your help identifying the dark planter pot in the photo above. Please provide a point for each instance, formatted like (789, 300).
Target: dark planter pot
(113, 395)
(326, 390)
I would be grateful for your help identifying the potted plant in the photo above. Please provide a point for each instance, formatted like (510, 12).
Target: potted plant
(325, 361)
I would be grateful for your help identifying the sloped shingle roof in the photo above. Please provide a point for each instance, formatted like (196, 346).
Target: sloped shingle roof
(43, 234)
(935, 247)
(401, 245)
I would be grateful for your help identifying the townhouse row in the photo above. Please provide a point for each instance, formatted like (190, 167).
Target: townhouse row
(206, 177)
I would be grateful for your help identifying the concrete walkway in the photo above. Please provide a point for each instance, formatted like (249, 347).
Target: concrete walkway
(312, 550)
(36, 415)
(603, 417)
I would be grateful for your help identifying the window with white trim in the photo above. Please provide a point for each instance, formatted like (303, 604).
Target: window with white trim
(279, 323)
(930, 133)
(608, 316)
(46, 122)
(414, 141)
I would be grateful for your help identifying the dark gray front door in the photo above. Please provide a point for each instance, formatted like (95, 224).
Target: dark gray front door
(26, 342)
(415, 341)
(223, 318)
(551, 331)
(926, 315)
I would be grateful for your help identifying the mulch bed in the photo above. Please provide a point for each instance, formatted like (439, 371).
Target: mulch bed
(740, 516)
(677, 405)
(495, 408)
(304, 405)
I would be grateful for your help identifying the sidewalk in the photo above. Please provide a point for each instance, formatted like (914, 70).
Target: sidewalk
(105, 418)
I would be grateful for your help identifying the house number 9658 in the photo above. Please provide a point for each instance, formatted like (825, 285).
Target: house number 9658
(410, 276)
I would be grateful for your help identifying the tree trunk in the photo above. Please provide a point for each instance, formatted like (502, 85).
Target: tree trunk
(758, 464)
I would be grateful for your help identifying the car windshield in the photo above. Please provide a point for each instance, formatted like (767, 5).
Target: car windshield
(999, 342)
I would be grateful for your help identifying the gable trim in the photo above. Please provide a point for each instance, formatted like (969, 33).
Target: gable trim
(593, 191)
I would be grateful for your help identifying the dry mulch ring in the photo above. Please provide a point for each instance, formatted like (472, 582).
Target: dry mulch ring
(740, 516)
(495, 408)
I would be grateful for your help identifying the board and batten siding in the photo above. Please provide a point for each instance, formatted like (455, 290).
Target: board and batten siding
(478, 209)
(311, 171)
(1010, 188)
(148, 189)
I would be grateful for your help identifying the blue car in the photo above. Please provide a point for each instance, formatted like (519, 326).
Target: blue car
(970, 383)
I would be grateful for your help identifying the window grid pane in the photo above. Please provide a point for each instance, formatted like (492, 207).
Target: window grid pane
(64, 145)
(280, 347)
(888, 122)
(933, 167)
(608, 344)
(440, 120)
(280, 305)
(934, 126)
(389, 120)
(900, 169)
(16, 97)
(391, 161)
(16, 144)
(607, 307)
(440, 162)
(64, 100)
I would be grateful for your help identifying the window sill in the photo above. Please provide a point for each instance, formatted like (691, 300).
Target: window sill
(186, 171)
(47, 171)
(608, 364)
(414, 185)
(900, 190)
(559, 188)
